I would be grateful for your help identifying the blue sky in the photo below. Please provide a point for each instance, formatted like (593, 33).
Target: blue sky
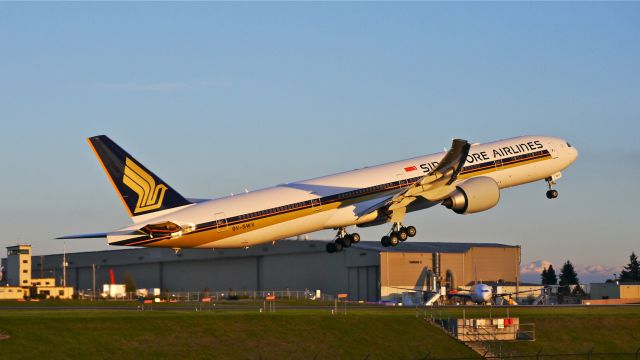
(218, 97)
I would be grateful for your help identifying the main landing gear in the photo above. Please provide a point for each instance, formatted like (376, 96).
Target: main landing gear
(343, 240)
(551, 193)
(398, 233)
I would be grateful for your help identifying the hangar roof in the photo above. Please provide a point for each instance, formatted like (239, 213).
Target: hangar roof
(126, 255)
(427, 247)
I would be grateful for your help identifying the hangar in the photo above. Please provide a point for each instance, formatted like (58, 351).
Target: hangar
(366, 271)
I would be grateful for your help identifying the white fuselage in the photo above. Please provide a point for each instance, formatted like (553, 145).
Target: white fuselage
(509, 162)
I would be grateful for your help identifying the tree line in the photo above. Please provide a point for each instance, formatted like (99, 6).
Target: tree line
(568, 275)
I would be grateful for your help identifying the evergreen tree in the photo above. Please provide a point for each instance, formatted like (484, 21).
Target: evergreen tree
(568, 276)
(552, 279)
(631, 272)
(549, 276)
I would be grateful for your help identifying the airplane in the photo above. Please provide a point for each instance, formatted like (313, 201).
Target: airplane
(467, 179)
(483, 294)
(479, 294)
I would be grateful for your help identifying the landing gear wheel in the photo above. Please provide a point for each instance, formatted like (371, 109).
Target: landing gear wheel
(346, 241)
(386, 242)
(403, 234)
(411, 231)
(394, 238)
(552, 194)
(331, 247)
(338, 246)
(355, 238)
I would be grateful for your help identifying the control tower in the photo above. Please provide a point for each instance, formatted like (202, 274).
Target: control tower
(19, 265)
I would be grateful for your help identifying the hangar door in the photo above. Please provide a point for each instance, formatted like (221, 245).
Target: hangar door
(363, 283)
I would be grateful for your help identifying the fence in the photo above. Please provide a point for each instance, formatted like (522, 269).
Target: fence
(196, 296)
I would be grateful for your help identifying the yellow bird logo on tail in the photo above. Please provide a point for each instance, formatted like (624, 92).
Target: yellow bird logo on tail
(150, 195)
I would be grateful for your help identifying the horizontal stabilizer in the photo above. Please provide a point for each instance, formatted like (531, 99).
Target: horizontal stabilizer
(83, 236)
(99, 235)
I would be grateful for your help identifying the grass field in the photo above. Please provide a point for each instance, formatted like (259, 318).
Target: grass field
(240, 334)
(245, 333)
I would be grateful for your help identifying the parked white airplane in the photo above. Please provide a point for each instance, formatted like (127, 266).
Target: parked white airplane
(466, 179)
(479, 294)
(483, 294)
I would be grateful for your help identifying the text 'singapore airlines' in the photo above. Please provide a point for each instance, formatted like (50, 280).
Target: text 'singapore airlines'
(466, 179)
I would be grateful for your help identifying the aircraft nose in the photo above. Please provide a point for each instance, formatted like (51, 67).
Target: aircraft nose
(573, 154)
(570, 152)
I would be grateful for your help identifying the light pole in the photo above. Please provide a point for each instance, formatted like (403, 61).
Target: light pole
(93, 292)
(64, 265)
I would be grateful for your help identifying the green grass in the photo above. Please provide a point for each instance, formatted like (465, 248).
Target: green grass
(381, 333)
(289, 334)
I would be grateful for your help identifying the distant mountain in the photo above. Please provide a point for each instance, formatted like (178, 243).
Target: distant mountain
(586, 273)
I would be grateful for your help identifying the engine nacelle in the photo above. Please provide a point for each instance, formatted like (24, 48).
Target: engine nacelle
(474, 195)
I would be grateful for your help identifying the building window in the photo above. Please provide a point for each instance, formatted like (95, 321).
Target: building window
(25, 271)
(24, 281)
(25, 261)
(61, 292)
(18, 252)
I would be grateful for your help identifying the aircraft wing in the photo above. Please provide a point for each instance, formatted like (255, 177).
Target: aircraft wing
(434, 186)
(519, 292)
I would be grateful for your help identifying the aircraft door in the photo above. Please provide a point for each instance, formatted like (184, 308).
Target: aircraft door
(552, 150)
(221, 222)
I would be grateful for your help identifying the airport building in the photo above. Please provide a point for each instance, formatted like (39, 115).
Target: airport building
(615, 293)
(18, 280)
(365, 271)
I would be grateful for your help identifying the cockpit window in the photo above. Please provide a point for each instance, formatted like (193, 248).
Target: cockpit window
(569, 145)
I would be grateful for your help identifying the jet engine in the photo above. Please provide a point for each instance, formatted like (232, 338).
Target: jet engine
(474, 195)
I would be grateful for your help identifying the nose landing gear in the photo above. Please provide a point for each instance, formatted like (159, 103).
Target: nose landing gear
(343, 240)
(398, 233)
(551, 193)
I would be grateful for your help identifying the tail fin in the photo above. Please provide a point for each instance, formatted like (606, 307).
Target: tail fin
(140, 190)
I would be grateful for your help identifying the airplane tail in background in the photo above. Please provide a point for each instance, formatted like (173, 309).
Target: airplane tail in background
(140, 190)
